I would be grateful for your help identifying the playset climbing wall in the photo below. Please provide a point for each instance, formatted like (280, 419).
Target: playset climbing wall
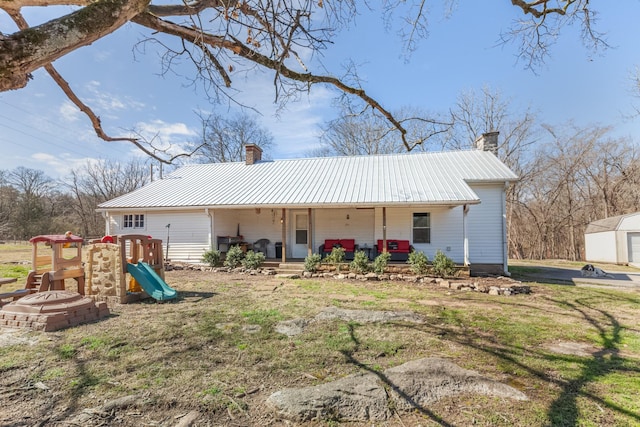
(104, 274)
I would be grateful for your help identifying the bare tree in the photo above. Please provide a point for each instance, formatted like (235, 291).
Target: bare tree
(543, 23)
(486, 110)
(361, 132)
(223, 138)
(219, 38)
(580, 174)
(97, 182)
(222, 38)
(8, 202)
(32, 213)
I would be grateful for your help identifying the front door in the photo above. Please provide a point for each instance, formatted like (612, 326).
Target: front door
(300, 235)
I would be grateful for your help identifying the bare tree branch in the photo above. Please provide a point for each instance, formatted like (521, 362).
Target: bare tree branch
(25, 51)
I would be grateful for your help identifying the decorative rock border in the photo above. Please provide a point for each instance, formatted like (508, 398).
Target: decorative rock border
(510, 286)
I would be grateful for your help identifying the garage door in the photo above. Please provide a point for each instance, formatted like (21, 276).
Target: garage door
(633, 241)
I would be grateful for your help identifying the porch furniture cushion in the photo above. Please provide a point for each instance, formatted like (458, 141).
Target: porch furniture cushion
(349, 246)
(398, 249)
(393, 245)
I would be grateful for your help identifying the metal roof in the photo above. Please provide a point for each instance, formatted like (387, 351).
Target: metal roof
(380, 180)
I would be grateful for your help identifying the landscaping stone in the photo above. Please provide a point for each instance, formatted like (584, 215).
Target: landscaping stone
(368, 316)
(369, 396)
(510, 287)
(353, 398)
(291, 327)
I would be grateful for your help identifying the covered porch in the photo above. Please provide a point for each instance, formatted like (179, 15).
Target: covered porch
(291, 234)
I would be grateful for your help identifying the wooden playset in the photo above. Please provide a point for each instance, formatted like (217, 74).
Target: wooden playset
(45, 304)
(49, 270)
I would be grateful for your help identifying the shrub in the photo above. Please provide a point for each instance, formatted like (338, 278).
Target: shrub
(443, 265)
(419, 262)
(252, 260)
(312, 262)
(360, 263)
(336, 257)
(381, 262)
(211, 257)
(234, 256)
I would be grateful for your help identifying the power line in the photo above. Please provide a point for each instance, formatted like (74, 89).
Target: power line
(38, 137)
(73, 148)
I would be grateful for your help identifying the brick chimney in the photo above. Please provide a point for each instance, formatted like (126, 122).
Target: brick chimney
(488, 142)
(253, 154)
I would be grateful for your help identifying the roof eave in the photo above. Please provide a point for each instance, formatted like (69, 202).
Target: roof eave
(445, 203)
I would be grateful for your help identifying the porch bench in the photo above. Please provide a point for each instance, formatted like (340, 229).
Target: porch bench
(349, 246)
(398, 249)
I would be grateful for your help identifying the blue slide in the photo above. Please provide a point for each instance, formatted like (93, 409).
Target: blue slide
(151, 282)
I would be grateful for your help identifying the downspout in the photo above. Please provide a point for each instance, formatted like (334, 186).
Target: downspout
(206, 210)
(384, 229)
(309, 233)
(107, 223)
(505, 249)
(465, 243)
(283, 221)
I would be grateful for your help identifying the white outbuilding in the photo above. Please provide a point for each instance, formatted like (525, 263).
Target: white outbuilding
(615, 239)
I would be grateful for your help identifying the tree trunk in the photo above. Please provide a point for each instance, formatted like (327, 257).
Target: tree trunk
(25, 51)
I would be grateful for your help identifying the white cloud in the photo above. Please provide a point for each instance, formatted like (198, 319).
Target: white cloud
(173, 138)
(108, 102)
(296, 126)
(61, 164)
(69, 111)
(101, 55)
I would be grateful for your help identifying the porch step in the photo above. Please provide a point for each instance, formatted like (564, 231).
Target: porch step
(290, 268)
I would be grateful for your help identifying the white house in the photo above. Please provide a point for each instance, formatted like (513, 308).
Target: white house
(615, 239)
(449, 201)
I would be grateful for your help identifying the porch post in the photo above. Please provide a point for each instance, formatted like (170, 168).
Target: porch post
(465, 210)
(309, 233)
(384, 229)
(284, 235)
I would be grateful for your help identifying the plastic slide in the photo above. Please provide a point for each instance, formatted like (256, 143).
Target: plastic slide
(151, 282)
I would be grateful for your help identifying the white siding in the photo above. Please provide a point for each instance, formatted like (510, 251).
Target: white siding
(188, 234)
(485, 224)
(601, 247)
(630, 223)
(333, 224)
(190, 231)
(446, 229)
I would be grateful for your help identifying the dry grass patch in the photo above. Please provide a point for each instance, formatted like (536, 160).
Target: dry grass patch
(215, 351)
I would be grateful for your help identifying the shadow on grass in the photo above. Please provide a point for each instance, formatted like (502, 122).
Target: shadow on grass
(563, 411)
(349, 356)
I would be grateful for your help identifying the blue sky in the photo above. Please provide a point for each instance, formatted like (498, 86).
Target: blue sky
(41, 129)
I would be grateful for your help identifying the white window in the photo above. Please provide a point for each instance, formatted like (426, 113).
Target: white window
(421, 227)
(133, 221)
